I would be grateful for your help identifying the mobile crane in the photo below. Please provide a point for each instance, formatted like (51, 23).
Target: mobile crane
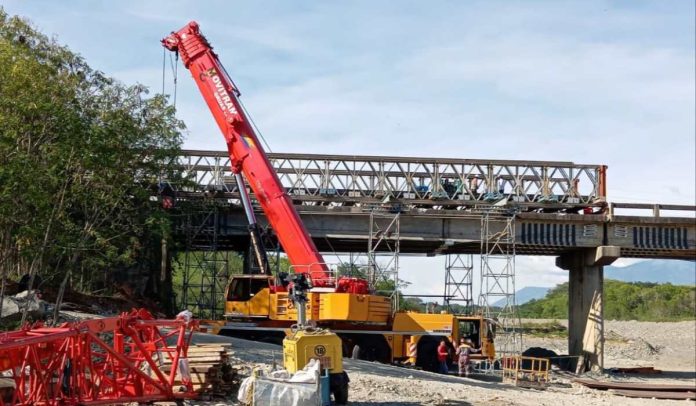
(249, 159)
(260, 304)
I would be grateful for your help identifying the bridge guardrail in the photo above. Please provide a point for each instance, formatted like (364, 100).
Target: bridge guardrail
(656, 209)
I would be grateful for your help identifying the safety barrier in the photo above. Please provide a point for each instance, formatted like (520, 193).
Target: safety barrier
(525, 371)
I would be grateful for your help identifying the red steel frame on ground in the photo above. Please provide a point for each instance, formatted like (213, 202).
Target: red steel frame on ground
(101, 361)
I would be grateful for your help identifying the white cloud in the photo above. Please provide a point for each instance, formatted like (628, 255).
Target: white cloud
(624, 262)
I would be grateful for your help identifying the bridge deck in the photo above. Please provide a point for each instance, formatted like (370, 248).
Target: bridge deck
(432, 232)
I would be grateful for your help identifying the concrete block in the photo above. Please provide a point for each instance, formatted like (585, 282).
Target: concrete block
(606, 255)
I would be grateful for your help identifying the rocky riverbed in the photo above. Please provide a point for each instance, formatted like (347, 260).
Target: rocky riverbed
(668, 346)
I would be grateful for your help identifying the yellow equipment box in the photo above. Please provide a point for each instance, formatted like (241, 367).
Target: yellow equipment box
(302, 346)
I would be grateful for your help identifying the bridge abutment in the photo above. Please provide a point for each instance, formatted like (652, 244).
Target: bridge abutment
(585, 291)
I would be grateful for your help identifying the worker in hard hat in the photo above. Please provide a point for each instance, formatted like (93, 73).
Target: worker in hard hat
(464, 351)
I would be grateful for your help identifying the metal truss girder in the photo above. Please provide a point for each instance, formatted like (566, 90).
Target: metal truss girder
(346, 178)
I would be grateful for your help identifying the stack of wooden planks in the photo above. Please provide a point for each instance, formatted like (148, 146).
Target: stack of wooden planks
(210, 370)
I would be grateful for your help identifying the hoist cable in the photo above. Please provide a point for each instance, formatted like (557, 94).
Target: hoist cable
(164, 66)
(174, 63)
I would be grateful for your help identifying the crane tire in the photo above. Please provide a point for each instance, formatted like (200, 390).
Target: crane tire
(339, 388)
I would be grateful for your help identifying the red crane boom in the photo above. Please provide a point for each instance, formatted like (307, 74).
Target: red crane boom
(113, 360)
(248, 157)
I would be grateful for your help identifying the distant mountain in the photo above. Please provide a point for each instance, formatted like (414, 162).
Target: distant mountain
(656, 271)
(526, 294)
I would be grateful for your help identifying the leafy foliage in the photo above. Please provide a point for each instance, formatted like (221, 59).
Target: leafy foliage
(623, 301)
(78, 151)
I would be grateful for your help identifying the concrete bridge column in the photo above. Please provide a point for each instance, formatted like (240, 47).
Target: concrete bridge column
(586, 279)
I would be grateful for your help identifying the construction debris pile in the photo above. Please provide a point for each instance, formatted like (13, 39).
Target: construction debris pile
(13, 306)
(41, 301)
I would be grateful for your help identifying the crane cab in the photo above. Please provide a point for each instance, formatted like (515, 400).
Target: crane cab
(249, 296)
(480, 330)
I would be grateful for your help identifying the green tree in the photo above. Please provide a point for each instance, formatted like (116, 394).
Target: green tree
(78, 153)
(623, 301)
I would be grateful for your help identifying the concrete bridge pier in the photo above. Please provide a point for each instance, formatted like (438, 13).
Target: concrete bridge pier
(586, 281)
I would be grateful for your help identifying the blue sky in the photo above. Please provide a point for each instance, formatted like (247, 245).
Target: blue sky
(596, 82)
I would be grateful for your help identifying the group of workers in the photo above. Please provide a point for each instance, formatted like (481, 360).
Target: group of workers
(462, 354)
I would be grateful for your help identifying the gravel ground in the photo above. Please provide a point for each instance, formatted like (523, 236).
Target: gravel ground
(667, 346)
(376, 384)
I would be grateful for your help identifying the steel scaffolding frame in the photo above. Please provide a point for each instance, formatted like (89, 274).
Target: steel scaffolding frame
(383, 243)
(498, 279)
(204, 266)
(459, 269)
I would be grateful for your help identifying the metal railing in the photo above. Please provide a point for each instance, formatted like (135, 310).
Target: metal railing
(655, 209)
(320, 273)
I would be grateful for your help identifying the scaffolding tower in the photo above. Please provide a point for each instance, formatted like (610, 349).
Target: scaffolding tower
(204, 265)
(383, 254)
(497, 298)
(459, 270)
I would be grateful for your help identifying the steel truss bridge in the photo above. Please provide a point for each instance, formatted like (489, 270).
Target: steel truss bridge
(342, 180)
(560, 207)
